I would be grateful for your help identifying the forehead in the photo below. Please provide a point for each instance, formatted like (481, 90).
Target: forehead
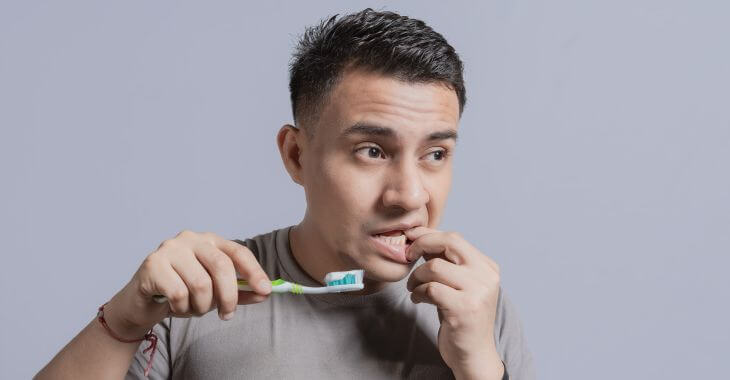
(411, 109)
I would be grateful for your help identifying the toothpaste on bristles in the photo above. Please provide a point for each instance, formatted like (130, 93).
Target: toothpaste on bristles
(344, 278)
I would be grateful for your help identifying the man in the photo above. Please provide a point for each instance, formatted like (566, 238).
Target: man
(377, 99)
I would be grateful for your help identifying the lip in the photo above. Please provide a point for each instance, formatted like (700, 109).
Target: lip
(395, 227)
(389, 251)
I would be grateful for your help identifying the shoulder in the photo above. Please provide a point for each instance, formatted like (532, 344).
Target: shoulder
(260, 243)
(267, 247)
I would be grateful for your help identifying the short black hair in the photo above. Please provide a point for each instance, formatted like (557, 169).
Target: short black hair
(378, 41)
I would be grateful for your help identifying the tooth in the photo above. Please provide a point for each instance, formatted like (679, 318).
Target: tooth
(393, 240)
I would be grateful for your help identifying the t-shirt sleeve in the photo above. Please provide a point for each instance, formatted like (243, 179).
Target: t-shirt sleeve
(161, 362)
(511, 341)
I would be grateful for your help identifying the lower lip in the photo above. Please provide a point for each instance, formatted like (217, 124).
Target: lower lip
(393, 252)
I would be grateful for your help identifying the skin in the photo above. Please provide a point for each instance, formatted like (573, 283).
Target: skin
(353, 190)
(349, 193)
(355, 183)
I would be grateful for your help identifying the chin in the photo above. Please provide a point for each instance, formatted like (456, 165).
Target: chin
(387, 276)
(380, 269)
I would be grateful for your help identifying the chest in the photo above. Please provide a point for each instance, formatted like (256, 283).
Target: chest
(302, 341)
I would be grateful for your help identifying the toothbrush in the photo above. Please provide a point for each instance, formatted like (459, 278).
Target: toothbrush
(337, 282)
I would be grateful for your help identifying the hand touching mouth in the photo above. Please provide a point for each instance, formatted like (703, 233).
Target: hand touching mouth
(392, 242)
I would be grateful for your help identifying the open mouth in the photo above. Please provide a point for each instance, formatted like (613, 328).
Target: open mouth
(393, 244)
(396, 237)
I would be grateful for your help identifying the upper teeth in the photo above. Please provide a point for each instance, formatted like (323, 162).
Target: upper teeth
(395, 240)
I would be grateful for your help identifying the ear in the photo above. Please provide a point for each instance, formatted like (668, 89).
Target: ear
(290, 140)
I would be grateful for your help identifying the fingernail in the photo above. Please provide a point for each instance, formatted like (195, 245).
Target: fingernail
(265, 285)
(227, 317)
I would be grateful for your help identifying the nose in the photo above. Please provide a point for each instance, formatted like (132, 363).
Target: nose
(405, 188)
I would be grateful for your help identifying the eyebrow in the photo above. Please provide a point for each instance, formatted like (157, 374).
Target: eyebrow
(377, 130)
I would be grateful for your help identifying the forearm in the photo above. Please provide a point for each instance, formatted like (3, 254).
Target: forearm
(94, 354)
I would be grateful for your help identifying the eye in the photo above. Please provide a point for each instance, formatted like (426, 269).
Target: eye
(438, 155)
(371, 151)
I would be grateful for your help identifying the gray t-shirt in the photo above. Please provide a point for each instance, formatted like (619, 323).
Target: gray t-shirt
(376, 336)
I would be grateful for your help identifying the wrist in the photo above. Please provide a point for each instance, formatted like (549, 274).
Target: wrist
(126, 331)
(115, 315)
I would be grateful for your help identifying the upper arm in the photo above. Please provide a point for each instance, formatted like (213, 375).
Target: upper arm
(511, 340)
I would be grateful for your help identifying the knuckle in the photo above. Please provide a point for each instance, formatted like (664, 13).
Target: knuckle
(149, 262)
(201, 284)
(221, 262)
(185, 234)
(178, 294)
(431, 290)
(203, 246)
(436, 265)
(167, 243)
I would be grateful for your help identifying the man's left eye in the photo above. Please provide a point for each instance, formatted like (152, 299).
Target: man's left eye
(371, 152)
(438, 155)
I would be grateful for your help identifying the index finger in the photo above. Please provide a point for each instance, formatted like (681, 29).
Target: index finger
(432, 243)
(247, 265)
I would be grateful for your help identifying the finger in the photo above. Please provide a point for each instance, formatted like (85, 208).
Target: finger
(416, 232)
(246, 298)
(438, 270)
(446, 244)
(247, 265)
(197, 280)
(442, 296)
(221, 270)
(169, 284)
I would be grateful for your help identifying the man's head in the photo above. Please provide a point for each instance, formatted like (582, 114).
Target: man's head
(377, 99)
(379, 42)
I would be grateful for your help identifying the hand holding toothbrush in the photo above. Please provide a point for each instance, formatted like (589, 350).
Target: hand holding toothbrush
(463, 284)
(196, 273)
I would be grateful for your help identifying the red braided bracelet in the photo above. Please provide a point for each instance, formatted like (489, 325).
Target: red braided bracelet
(149, 336)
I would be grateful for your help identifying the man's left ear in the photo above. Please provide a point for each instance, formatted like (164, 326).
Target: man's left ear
(288, 140)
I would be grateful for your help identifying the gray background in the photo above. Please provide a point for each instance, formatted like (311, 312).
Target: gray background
(593, 165)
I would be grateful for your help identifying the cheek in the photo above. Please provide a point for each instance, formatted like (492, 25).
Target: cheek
(340, 193)
(438, 188)
(354, 190)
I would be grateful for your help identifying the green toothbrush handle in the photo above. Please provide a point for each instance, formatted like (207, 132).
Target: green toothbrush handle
(277, 286)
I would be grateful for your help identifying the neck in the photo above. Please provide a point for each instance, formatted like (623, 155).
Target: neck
(310, 251)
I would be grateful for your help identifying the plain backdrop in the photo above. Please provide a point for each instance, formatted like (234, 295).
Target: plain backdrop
(593, 162)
